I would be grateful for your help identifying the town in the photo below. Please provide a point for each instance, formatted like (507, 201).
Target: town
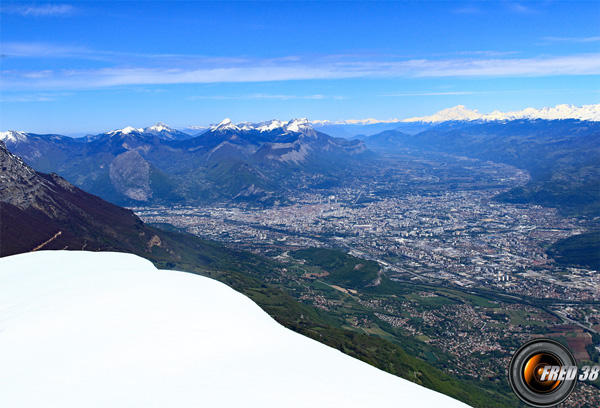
(484, 283)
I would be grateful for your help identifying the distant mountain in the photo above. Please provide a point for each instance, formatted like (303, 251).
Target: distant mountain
(275, 142)
(562, 156)
(560, 112)
(160, 130)
(194, 130)
(460, 115)
(166, 133)
(360, 130)
(48, 152)
(158, 164)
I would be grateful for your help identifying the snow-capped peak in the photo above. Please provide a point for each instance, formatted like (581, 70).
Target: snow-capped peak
(459, 112)
(270, 125)
(13, 136)
(126, 130)
(226, 124)
(559, 112)
(301, 125)
(159, 127)
(295, 125)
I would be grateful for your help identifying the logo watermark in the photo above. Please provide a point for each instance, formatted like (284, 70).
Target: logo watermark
(543, 373)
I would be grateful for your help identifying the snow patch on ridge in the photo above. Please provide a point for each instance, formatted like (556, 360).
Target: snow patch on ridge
(224, 125)
(126, 130)
(98, 329)
(13, 136)
(159, 127)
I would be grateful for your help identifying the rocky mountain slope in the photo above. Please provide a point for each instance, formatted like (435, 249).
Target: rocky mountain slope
(43, 211)
(246, 161)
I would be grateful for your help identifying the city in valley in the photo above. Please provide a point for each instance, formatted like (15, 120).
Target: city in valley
(477, 280)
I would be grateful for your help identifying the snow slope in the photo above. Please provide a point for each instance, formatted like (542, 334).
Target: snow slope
(87, 329)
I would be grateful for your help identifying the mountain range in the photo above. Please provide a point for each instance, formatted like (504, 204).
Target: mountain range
(367, 127)
(561, 156)
(560, 112)
(159, 164)
(261, 163)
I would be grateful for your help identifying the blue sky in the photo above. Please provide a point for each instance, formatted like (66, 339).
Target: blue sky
(91, 66)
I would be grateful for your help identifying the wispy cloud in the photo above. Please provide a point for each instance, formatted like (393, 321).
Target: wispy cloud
(46, 10)
(571, 39)
(470, 9)
(260, 96)
(429, 93)
(44, 50)
(231, 70)
(584, 64)
(27, 98)
(69, 51)
(519, 8)
(487, 7)
(495, 92)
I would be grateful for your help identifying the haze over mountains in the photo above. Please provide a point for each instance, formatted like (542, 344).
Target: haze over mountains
(257, 162)
(460, 113)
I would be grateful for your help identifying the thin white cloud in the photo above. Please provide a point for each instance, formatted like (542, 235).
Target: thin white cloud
(497, 92)
(584, 64)
(9, 99)
(470, 9)
(206, 71)
(44, 50)
(69, 51)
(429, 93)
(519, 8)
(46, 10)
(571, 39)
(261, 97)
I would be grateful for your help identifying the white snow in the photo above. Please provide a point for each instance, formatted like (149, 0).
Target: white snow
(298, 125)
(369, 121)
(84, 329)
(226, 124)
(159, 127)
(267, 126)
(295, 125)
(13, 136)
(126, 130)
(301, 125)
(461, 113)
